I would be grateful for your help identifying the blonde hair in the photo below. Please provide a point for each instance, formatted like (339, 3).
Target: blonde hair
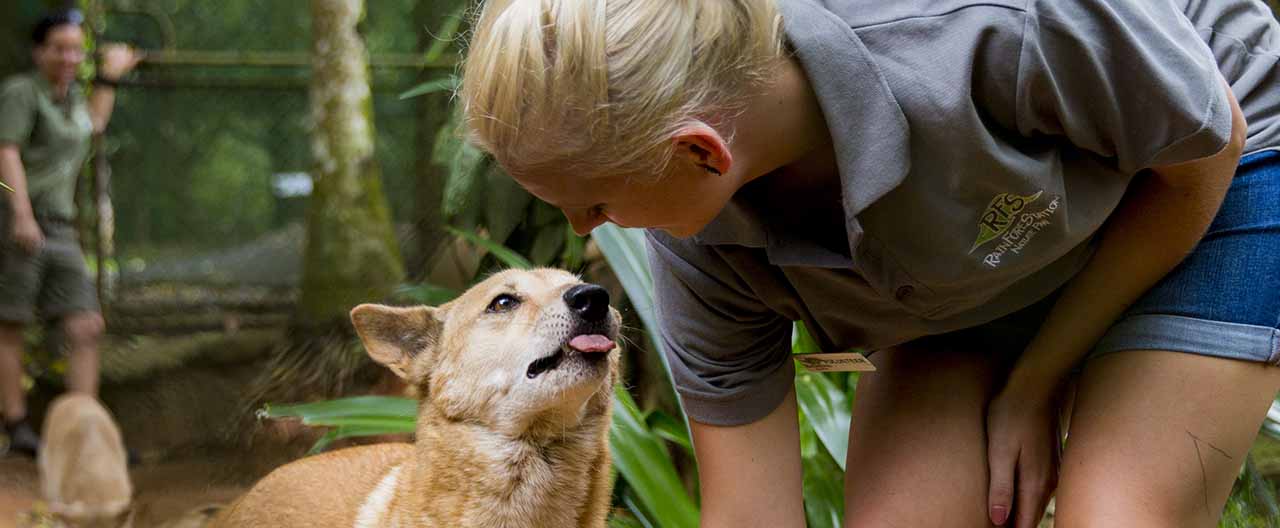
(603, 85)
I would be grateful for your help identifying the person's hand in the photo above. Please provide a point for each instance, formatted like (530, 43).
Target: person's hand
(27, 234)
(1023, 454)
(117, 60)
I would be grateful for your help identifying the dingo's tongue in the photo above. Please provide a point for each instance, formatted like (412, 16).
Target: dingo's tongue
(591, 343)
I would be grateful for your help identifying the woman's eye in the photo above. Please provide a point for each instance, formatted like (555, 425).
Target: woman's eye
(503, 303)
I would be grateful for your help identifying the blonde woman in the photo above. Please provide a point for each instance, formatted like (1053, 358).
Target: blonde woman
(993, 196)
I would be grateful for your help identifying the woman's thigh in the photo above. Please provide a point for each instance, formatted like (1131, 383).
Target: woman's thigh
(1157, 438)
(917, 444)
(1171, 398)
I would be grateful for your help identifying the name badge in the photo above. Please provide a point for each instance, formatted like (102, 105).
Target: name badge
(839, 362)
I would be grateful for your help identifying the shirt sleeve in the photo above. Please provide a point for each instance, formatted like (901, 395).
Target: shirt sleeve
(729, 354)
(1129, 80)
(17, 113)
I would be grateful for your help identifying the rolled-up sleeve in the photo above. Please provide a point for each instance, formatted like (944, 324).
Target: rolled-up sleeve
(729, 353)
(1125, 79)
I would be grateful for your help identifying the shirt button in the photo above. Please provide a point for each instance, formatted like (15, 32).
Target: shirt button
(903, 292)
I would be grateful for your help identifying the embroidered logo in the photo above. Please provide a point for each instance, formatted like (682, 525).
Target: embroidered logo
(999, 216)
(1007, 220)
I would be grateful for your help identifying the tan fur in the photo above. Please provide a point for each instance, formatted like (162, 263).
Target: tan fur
(494, 448)
(84, 475)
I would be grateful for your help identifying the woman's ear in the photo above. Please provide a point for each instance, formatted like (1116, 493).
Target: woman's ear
(705, 148)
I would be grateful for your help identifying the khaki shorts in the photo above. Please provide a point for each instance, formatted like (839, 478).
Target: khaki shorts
(49, 285)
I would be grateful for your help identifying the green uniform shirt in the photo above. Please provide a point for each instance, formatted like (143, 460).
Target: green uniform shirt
(52, 137)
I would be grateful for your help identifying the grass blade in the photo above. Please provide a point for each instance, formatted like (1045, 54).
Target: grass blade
(503, 253)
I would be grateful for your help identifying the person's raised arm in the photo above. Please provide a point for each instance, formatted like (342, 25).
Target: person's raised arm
(117, 60)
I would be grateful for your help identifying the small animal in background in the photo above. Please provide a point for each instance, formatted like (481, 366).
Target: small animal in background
(84, 475)
(515, 379)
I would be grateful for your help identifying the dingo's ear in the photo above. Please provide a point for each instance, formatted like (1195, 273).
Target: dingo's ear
(394, 337)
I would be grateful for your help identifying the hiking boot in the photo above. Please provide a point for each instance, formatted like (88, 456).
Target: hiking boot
(22, 438)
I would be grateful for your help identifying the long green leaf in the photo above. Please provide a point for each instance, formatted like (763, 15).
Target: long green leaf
(1272, 424)
(339, 433)
(358, 408)
(828, 410)
(629, 499)
(642, 459)
(823, 491)
(619, 521)
(6, 187)
(447, 33)
(503, 253)
(449, 83)
(625, 251)
(670, 429)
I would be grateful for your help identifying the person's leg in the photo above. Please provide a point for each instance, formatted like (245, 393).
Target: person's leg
(68, 295)
(22, 436)
(14, 404)
(1157, 438)
(917, 444)
(83, 329)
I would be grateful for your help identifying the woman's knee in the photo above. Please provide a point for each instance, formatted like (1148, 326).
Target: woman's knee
(1087, 504)
(84, 329)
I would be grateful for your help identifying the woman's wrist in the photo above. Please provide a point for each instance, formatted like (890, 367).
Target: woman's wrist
(1033, 382)
(106, 80)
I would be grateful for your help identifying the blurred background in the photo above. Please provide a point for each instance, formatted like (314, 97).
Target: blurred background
(243, 200)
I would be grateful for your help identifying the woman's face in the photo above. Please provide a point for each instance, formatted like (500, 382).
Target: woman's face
(59, 57)
(682, 201)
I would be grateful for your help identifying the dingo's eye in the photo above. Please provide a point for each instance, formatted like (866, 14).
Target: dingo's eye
(503, 303)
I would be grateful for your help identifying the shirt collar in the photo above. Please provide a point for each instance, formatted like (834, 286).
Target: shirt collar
(43, 85)
(868, 129)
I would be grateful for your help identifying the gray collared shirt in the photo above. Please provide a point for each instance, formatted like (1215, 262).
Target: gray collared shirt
(980, 145)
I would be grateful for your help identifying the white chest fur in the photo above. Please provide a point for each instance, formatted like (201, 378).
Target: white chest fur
(374, 509)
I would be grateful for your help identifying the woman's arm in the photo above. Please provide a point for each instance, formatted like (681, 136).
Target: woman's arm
(117, 60)
(1158, 223)
(750, 474)
(24, 230)
(1160, 220)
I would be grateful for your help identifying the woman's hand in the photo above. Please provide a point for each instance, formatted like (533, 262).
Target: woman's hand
(117, 60)
(1023, 452)
(27, 234)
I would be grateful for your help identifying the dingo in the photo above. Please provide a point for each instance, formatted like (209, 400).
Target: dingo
(516, 380)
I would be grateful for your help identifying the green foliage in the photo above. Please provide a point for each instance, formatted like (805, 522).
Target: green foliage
(351, 417)
(232, 162)
(506, 255)
(641, 457)
(1254, 501)
(1271, 426)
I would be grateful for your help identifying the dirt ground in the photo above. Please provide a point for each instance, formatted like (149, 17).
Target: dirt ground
(164, 492)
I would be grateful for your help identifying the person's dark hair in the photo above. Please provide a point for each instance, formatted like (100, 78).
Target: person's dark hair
(66, 17)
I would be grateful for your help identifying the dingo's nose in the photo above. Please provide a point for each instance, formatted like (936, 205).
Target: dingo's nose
(589, 301)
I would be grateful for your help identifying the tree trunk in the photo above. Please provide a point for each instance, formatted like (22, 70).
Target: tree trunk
(433, 113)
(351, 254)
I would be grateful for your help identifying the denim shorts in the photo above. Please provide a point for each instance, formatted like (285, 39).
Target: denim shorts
(1223, 300)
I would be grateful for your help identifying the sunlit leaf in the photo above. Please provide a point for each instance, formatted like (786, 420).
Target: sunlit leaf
(449, 83)
(828, 411)
(642, 459)
(503, 253)
(670, 429)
